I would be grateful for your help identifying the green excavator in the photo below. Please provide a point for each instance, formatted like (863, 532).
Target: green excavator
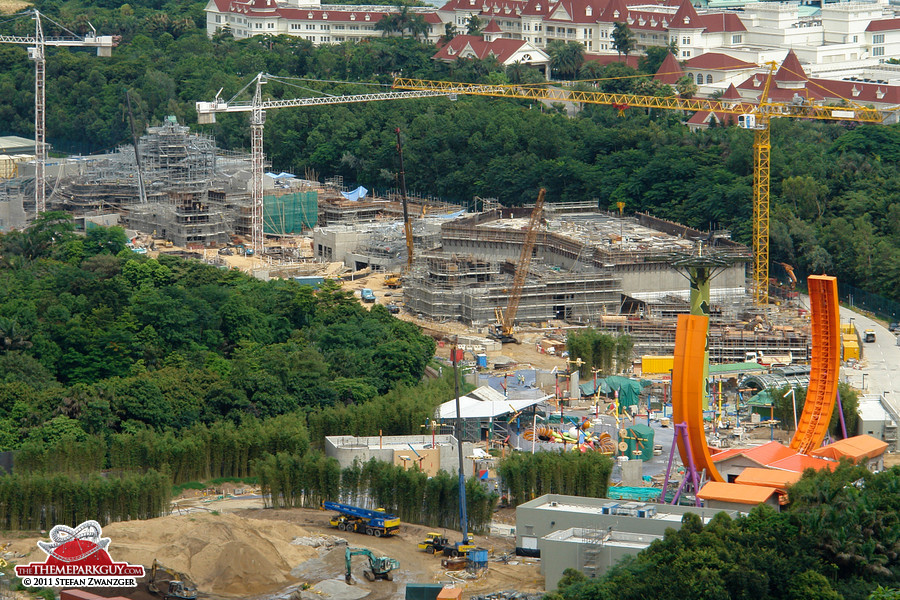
(380, 567)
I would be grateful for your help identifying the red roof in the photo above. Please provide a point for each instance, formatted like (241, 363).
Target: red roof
(716, 61)
(302, 14)
(501, 48)
(606, 59)
(801, 462)
(884, 25)
(669, 71)
(733, 492)
(686, 17)
(492, 27)
(718, 22)
(790, 70)
(616, 12)
(433, 19)
(764, 455)
(731, 93)
(828, 90)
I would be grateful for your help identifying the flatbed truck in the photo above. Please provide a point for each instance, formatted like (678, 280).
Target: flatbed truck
(362, 520)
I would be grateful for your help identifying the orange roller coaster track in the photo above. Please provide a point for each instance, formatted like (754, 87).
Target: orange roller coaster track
(825, 364)
(687, 392)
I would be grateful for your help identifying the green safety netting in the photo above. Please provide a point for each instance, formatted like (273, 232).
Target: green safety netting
(290, 213)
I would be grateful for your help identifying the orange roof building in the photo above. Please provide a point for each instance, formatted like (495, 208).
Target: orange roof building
(774, 478)
(734, 496)
(861, 449)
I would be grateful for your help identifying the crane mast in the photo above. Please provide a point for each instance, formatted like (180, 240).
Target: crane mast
(759, 120)
(407, 226)
(257, 107)
(37, 53)
(531, 231)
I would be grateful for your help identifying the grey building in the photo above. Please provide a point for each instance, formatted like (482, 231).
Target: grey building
(551, 513)
(876, 418)
(431, 453)
(591, 551)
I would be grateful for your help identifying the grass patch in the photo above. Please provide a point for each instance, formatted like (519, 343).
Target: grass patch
(188, 485)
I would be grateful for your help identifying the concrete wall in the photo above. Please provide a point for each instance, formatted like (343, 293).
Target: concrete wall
(12, 213)
(659, 277)
(568, 549)
(333, 243)
(733, 466)
(389, 448)
(720, 505)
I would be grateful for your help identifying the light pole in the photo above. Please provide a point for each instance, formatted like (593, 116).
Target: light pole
(864, 382)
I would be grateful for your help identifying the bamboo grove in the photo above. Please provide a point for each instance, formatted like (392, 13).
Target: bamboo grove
(291, 481)
(528, 476)
(36, 502)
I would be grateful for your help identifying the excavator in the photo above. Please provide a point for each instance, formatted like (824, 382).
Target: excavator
(790, 273)
(169, 584)
(503, 331)
(380, 567)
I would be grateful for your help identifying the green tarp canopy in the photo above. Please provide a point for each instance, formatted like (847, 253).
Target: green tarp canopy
(629, 389)
(640, 442)
(290, 213)
(764, 398)
(587, 389)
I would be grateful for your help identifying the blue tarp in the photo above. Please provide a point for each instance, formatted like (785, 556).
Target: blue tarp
(281, 175)
(356, 194)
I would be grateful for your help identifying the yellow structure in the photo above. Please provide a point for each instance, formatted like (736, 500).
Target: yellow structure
(653, 365)
(750, 116)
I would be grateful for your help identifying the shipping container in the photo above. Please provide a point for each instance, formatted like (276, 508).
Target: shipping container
(656, 364)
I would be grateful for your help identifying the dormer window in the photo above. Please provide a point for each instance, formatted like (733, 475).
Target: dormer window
(855, 91)
(630, 21)
(879, 93)
(352, 16)
(309, 15)
(368, 17)
(518, 11)
(496, 9)
(653, 23)
(756, 82)
(642, 22)
(451, 51)
(665, 24)
(615, 14)
(325, 16)
(506, 10)
(687, 20)
(538, 8)
(589, 11)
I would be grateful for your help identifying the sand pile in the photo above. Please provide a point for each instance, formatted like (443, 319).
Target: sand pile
(222, 554)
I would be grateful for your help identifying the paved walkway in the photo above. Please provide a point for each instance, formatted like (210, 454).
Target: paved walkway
(879, 371)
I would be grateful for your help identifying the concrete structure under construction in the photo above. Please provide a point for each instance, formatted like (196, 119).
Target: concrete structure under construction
(590, 534)
(430, 453)
(585, 264)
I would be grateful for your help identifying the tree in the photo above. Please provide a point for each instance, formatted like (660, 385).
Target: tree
(566, 58)
(623, 39)
(450, 32)
(474, 26)
(655, 55)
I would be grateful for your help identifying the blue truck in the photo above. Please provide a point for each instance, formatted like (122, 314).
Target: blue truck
(367, 295)
(362, 520)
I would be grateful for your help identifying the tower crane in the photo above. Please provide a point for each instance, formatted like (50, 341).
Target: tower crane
(36, 52)
(257, 107)
(508, 318)
(750, 116)
(407, 226)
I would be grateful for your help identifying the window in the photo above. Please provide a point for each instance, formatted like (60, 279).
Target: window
(685, 53)
(878, 38)
(310, 26)
(326, 27)
(339, 27)
(685, 41)
(588, 11)
(699, 78)
(709, 79)
(878, 51)
(587, 33)
(736, 39)
(270, 25)
(856, 38)
(324, 38)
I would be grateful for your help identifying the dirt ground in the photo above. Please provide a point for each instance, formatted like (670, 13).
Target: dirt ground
(234, 548)
(8, 7)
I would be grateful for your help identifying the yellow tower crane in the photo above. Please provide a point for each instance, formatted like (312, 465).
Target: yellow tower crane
(750, 116)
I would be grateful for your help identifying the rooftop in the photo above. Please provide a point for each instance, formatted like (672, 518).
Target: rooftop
(622, 539)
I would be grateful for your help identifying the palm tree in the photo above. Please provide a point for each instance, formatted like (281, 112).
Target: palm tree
(418, 26)
(566, 58)
(473, 25)
(388, 24)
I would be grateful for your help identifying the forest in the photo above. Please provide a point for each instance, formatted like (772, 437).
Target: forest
(834, 186)
(838, 538)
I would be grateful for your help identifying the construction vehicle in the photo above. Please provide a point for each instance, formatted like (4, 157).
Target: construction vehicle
(869, 336)
(433, 543)
(169, 584)
(380, 567)
(362, 520)
(392, 281)
(503, 332)
(790, 273)
(367, 295)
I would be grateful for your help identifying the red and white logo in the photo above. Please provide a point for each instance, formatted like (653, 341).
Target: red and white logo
(78, 558)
